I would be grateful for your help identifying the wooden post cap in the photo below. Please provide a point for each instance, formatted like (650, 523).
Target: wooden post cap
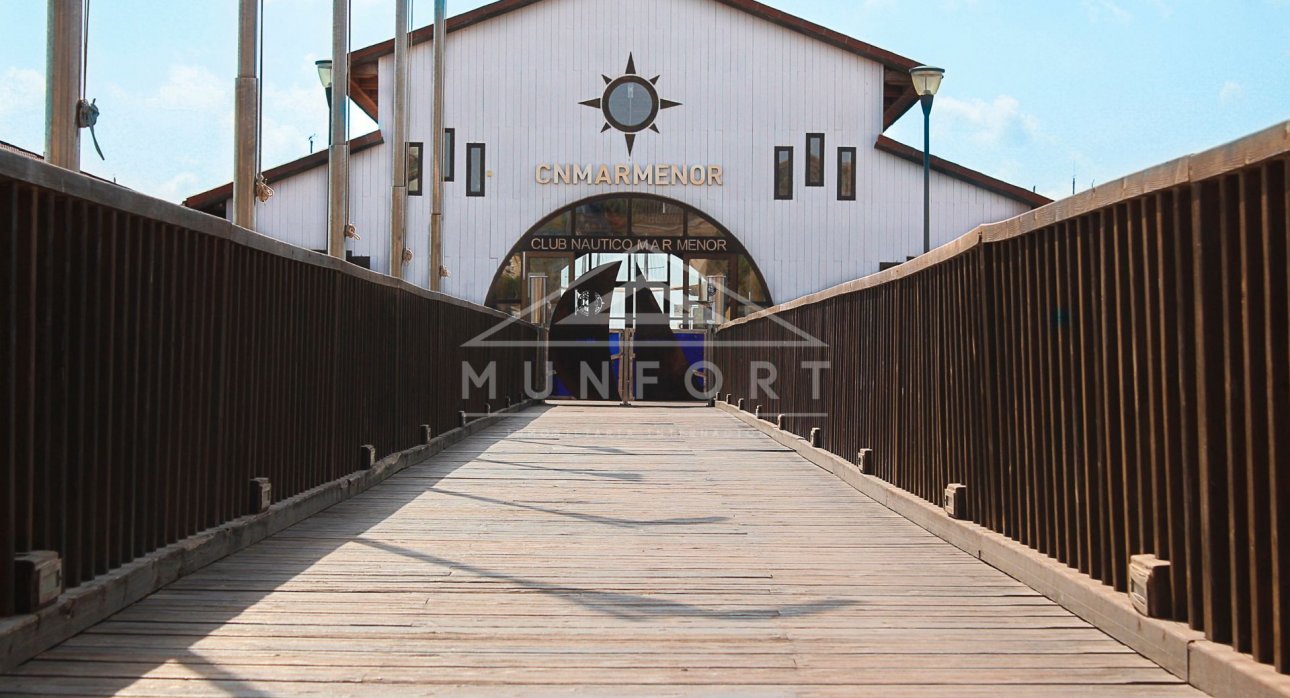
(366, 456)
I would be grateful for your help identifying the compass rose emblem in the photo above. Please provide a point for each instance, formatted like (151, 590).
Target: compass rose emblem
(630, 103)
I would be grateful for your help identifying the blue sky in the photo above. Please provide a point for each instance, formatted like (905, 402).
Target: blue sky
(1034, 92)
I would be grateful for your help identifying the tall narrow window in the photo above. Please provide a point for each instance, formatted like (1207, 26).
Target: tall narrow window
(415, 160)
(783, 173)
(846, 174)
(449, 154)
(475, 169)
(815, 159)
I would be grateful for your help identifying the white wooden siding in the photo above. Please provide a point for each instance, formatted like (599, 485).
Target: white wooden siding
(746, 85)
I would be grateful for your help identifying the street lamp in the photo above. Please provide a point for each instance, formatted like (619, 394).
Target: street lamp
(324, 76)
(927, 80)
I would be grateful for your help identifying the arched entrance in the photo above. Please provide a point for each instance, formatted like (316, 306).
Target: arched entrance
(677, 247)
(667, 256)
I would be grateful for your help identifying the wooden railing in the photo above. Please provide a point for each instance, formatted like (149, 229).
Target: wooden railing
(155, 360)
(1108, 375)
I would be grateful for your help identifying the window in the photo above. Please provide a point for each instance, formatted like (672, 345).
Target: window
(697, 226)
(475, 169)
(557, 225)
(783, 173)
(653, 218)
(414, 169)
(603, 217)
(815, 159)
(846, 174)
(449, 154)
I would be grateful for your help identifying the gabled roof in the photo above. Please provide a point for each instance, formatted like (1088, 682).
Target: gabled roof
(212, 201)
(898, 89)
(898, 96)
(11, 148)
(961, 173)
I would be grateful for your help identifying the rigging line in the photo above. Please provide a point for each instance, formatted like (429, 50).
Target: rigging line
(349, 45)
(259, 98)
(85, 47)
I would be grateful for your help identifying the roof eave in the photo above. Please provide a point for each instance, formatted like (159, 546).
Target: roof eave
(964, 174)
(222, 193)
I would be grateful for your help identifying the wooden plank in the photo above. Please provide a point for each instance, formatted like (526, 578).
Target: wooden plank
(1234, 301)
(1090, 415)
(1186, 343)
(594, 549)
(1275, 262)
(1214, 546)
(1256, 465)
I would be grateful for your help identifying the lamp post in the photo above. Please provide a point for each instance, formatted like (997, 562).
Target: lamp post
(927, 80)
(324, 76)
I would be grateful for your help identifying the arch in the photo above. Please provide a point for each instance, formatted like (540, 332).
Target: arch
(565, 223)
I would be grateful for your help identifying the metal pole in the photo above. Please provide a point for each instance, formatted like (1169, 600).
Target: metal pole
(436, 149)
(399, 154)
(338, 157)
(246, 115)
(63, 84)
(927, 173)
(537, 299)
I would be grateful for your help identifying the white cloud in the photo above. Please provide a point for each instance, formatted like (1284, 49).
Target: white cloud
(21, 89)
(177, 138)
(994, 123)
(192, 88)
(291, 115)
(1106, 10)
(1231, 92)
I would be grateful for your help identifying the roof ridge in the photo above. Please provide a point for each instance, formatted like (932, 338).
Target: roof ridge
(898, 98)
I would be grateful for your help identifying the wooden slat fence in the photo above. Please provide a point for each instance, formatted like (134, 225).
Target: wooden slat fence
(1108, 376)
(156, 359)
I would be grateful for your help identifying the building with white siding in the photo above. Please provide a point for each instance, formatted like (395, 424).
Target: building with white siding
(733, 139)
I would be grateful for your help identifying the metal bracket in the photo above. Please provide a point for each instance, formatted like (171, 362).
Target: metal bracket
(87, 115)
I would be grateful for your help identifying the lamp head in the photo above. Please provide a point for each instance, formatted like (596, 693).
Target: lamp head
(324, 73)
(927, 80)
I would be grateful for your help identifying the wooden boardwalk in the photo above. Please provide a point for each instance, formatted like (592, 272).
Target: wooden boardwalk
(600, 551)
